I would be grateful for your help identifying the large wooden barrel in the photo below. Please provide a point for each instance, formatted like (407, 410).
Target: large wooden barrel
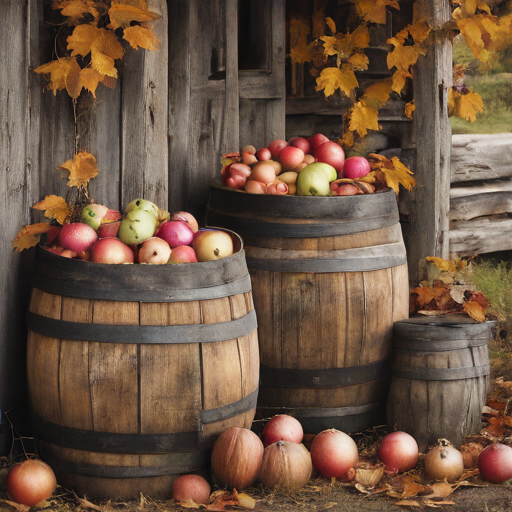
(329, 279)
(440, 378)
(134, 370)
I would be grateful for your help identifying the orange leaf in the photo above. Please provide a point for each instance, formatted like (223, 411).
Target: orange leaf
(76, 9)
(104, 50)
(81, 169)
(363, 118)
(425, 295)
(90, 79)
(469, 105)
(54, 207)
(374, 11)
(496, 427)
(409, 109)
(377, 94)
(58, 71)
(332, 78)
(121, 15)
(29, 236)
(474, 310)
(142, 37)
(82, 38)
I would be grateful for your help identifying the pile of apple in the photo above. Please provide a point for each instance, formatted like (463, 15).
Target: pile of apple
(143, 234)
(312, 166)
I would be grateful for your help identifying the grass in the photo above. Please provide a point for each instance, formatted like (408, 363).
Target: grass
(494, 280)
(494, 84)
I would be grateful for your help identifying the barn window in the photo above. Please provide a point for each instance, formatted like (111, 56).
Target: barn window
(254, 35)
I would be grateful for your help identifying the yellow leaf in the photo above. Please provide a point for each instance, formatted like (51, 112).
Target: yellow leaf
(359, 61)
(76, 9)
(399, 79)
(409, 109)
(374, 11)
(363, 118)
(58, 71)
(54, 207)
(121, 15)
(80, 41)
(441, 264)
(419, 31)
(468, 7)
(246, 501)
(332, 79)
(347, 139)
(81, 169)
(301, 53)
(104, 50)
(471, 30)
(329, 45)
(360, 38)
(73, 82)
(482, 6)
(474, 310)
(29, 236)
(331, 24)
(142, 37)
(464, 105)
(90, 79)
(402, 57)
(378, 93)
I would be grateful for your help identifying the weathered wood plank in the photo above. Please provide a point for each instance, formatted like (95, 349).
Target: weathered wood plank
(144, 118)
(481, 157)
(426, 233)
(480, 199)
(480, 236)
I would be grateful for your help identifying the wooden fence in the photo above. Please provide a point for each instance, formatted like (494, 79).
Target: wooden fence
(481, 194)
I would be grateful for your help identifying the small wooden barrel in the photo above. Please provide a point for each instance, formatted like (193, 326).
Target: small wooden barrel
(134, 370)
(440, 378)
(329, 279)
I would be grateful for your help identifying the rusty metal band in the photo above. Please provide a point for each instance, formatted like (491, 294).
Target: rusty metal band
(177, 463)
(161, 334)
(326, 378)
(349, 260)
(109, 442)
(442, 374)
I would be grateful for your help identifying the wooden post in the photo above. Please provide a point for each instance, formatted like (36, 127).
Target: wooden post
(427, 233)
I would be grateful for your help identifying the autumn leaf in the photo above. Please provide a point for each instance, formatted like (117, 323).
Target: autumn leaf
(469, 105)
(374, 11)
(77, 9)
(63, 72)
(29, 236)
(141, 37)
(81, 169)
(454, 265)
(300, 50)
(90, 78)
(105, 49)
(419, 31)
(122, 15)
(410, 107)
(82, 38)
(377, 94)
(331, 24)
(363, 118)
(425, 294)
(333, 78)
(54, 207)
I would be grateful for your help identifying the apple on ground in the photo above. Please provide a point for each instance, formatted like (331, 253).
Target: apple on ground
(212, 244)
(182, 254)
(111, 251)
(155, 251)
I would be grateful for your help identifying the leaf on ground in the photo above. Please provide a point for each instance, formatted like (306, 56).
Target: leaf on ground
(507, 384)
(54, 207)
(437, 504)
(29, 236)
(141, 37)
(188, 504)
(441, 490)
(408, 503)
(88, 505)
(81, 169)
(246, 501)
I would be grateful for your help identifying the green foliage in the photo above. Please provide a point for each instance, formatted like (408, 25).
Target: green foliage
(496, 92)
(494, 280)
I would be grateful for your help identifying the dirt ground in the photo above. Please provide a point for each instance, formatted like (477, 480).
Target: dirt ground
(410, 491)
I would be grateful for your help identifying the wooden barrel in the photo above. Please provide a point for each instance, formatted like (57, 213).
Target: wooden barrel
(329, 279)
(440, 378)
(134, 370)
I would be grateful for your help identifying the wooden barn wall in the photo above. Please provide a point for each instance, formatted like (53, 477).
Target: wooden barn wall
(158, 134)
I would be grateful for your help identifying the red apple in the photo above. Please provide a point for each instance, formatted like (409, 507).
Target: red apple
(316, 140)
(76, 237)
(355, 167)
(182, 254)
(300, 142)
(155, 251)
(276, 146)
(263, 154)
(51, 234)
(175, 232)
(290, 157)
(186, 217)
(111, 251)
(330, 153)
(108, 229)
(212, 244)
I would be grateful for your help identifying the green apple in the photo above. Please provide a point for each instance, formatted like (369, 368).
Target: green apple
(142, 204)
(93, 214)
(329, 171)
(312, 181)
(137, 226)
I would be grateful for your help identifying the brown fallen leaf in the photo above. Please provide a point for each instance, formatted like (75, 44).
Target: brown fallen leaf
(188, 504)
(437, 504)
(87, 504)
(440, 490)
(407, 503)
(507, 384)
